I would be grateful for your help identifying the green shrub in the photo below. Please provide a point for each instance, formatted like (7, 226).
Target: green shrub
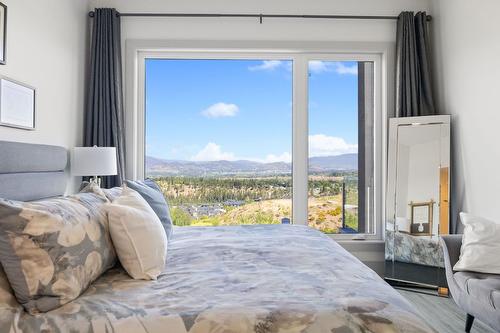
(335, 212)
(180, 217)
(206, 221)
(259, 217)
(351, 221)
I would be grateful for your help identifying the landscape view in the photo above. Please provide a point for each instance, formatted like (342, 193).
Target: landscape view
(211, 179)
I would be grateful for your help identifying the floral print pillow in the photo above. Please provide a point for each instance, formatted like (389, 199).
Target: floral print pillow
(51, 250)
(7, 299)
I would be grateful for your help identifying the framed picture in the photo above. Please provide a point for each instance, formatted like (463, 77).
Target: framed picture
(3, 33)
(421, 218)
(17, 104)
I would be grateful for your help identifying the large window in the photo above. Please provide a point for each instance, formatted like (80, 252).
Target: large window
(219, 139)
(248, 140)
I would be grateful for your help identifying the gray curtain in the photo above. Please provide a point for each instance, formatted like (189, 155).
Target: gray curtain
(413, 77)
(104, 115)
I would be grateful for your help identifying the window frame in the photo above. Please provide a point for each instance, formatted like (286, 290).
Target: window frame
(300, 53)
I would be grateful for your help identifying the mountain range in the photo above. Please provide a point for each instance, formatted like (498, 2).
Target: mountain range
(160, 167)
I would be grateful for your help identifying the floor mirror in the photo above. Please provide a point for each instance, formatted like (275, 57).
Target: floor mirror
(417, 204)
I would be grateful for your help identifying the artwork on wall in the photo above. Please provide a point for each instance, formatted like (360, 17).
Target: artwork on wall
(421, 218)
(17, 104)
(3, 33)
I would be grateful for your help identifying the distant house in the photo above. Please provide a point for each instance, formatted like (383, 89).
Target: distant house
(233, 203)
(197, 211)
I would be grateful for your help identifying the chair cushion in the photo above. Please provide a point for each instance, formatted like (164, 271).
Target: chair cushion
(481, 286)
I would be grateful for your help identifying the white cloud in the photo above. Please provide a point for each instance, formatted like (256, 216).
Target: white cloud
(319, 145)
(324, 145)
(343, 69)
(267, 65)
(318, 67)
(271, 158)
(213, 152)
(221, 109)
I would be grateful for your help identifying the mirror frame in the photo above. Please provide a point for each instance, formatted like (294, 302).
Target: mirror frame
(392, 274)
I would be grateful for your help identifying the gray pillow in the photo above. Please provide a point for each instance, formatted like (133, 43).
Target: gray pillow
(51, 250)
(151, 192)
(151, 183)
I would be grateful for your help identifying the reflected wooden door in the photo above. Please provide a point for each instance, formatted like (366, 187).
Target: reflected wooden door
(444, 204)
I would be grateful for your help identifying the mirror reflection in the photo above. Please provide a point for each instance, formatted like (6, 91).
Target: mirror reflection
(417, 205)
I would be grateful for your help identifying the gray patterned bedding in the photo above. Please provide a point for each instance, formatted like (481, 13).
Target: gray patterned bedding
(234, 279)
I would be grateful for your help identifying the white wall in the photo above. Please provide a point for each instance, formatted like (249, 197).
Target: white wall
(423, 179)
(419, 159)
(467, 54)
(402, 175)
(46, 48)
(272, 29)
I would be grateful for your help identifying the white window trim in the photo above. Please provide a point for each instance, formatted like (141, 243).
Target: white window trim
(382, 54)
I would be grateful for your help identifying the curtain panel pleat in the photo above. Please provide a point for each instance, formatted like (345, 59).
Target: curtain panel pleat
(104, 114)
(413, 75)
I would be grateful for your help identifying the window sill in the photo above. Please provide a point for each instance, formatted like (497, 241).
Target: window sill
(357, 241)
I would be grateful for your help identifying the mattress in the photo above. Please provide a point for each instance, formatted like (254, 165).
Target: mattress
(263, 278)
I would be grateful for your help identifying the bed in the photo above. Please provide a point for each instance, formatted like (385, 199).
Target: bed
(261, 278)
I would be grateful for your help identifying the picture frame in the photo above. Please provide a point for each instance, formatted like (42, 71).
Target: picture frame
(3, 34)
(421, 218)
(17, 104)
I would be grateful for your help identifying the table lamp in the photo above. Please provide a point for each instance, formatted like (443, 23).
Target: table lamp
(94, 161)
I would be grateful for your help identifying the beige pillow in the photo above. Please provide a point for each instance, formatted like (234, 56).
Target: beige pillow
(138, 235)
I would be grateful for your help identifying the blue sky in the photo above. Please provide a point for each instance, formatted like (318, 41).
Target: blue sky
(242, 109)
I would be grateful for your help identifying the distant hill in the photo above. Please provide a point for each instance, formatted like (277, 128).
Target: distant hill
(338, 162)
(160, 167)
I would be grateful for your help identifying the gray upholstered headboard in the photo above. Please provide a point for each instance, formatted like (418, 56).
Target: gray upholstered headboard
(31, 172)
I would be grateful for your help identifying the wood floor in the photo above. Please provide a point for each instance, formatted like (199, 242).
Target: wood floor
(442, 313)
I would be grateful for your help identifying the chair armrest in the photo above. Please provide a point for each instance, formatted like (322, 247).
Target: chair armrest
(451, 245)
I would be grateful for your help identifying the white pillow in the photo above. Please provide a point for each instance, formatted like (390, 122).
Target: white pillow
(137, 234)
(480, 250)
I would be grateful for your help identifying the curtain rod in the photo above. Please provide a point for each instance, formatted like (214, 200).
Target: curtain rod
(262, 16)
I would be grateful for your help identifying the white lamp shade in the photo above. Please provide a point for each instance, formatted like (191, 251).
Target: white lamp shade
(93, 161)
